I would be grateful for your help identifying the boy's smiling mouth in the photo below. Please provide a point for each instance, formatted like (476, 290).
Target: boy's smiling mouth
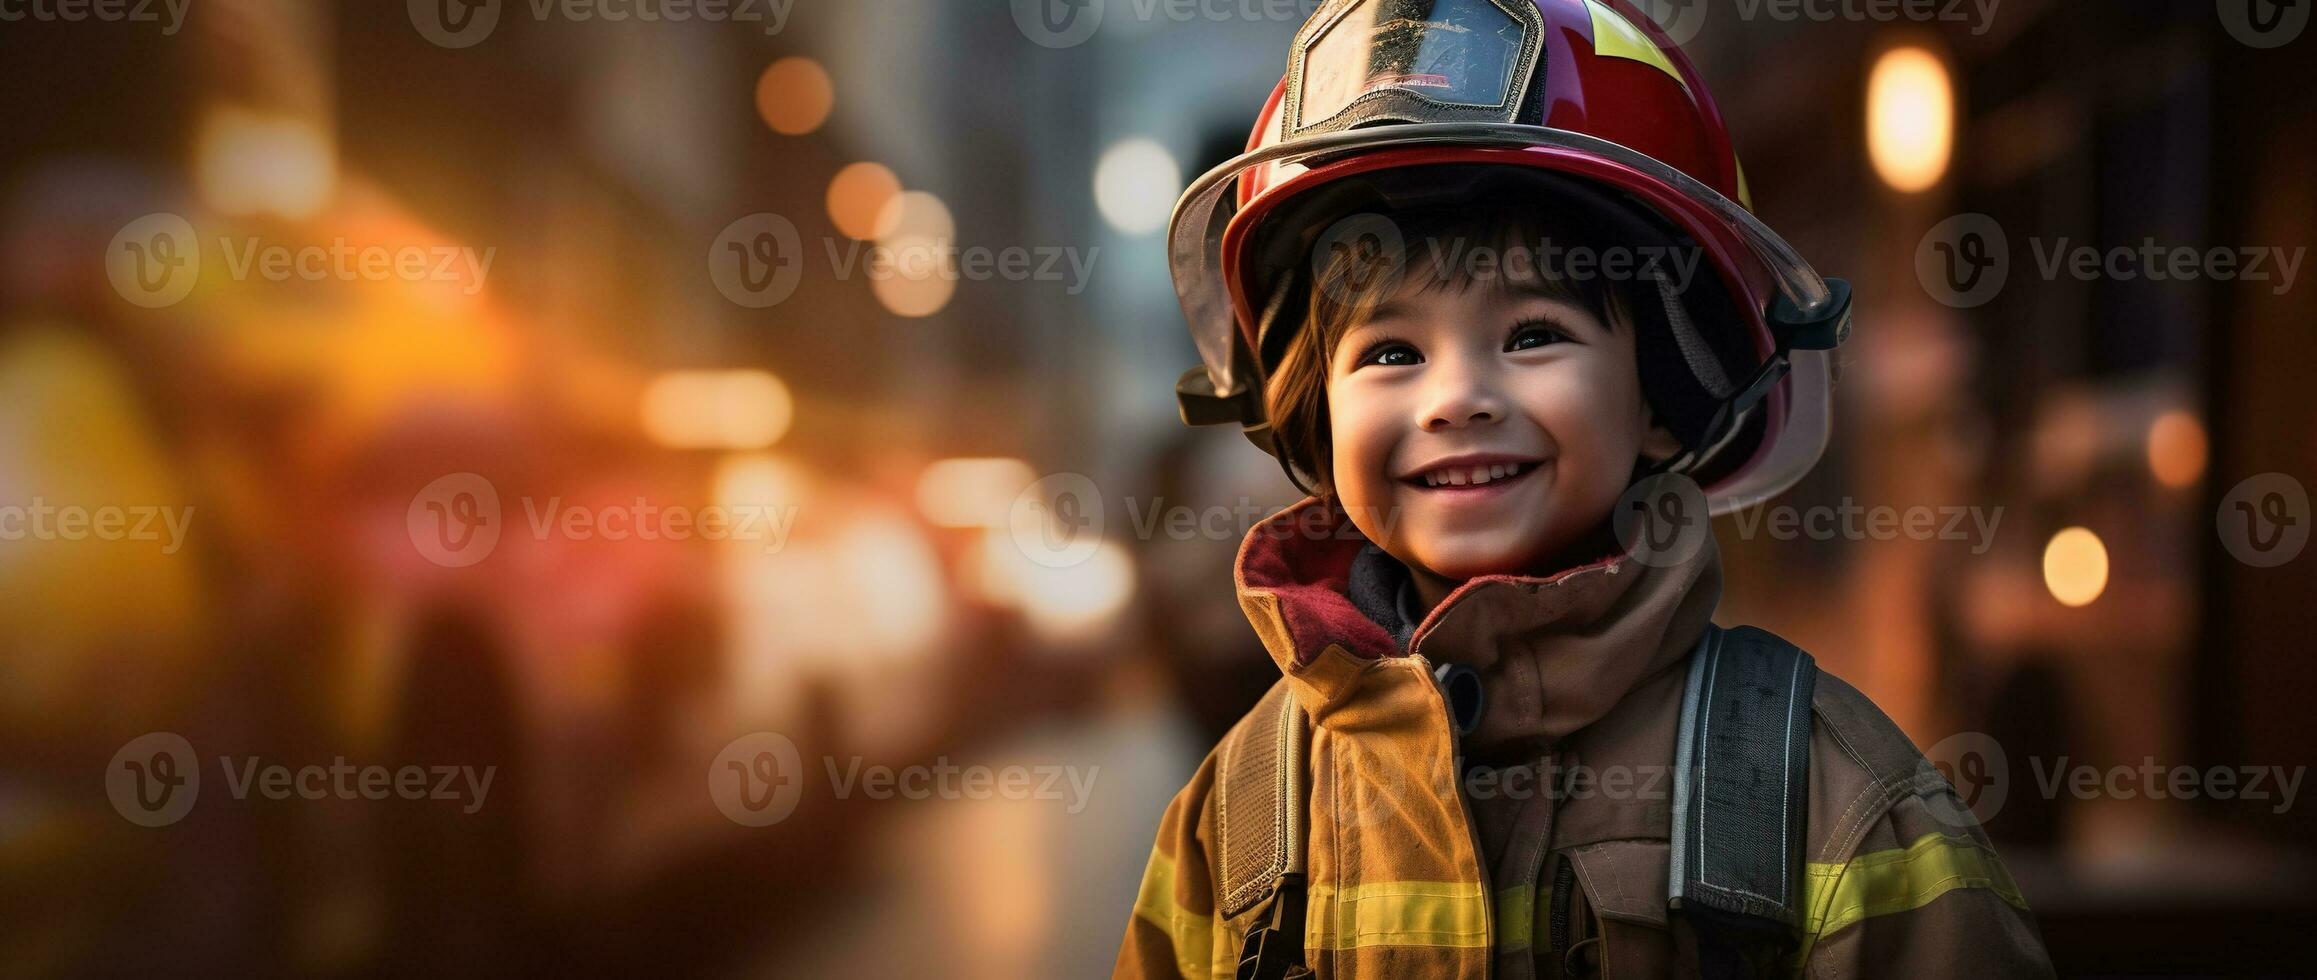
(1472, 472)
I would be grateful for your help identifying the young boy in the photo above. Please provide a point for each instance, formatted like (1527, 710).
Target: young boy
(1488, 285)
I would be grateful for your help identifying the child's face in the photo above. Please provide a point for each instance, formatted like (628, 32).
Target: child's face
(1444, 387)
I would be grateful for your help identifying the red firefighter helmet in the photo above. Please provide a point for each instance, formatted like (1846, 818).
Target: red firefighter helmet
(1589, 92)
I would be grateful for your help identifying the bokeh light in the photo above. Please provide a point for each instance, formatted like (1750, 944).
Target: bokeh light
(250, 163)
(1910, 118)
(1135, 185)
(743, 409)
(858, 196)
(920, 238)
(794, 96)
(972, 492)
(2177, 449)
(1064, 603)
(2075, 566)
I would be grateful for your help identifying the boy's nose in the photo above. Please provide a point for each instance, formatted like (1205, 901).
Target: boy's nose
(1458, 404)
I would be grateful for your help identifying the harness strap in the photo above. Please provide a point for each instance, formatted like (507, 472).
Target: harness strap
(1259, 795)
(1740, 813)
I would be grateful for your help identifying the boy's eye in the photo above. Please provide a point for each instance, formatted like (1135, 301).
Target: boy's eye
(1391, 353)
(1533, 334)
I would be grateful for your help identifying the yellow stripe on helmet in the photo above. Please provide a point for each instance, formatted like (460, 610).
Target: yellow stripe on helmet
(1616, 37)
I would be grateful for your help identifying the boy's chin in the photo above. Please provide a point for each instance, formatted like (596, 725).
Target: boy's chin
(1460, 560)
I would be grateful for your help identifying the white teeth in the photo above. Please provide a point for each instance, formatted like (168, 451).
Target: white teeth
(1475, 476)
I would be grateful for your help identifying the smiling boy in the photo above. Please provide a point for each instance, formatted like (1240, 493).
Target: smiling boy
(1509, 740)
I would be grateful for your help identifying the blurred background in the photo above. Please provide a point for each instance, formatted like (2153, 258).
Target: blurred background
(377, 346)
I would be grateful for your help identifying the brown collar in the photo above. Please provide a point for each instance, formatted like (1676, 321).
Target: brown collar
(1555, 652)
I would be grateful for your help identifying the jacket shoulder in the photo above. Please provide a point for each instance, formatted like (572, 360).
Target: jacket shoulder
(1862, 767)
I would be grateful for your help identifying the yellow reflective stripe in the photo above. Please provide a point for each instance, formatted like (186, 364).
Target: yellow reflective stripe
(1191, 934)
(1398, 913)
(1616, 37)
(1842, 895)
(1516, 916)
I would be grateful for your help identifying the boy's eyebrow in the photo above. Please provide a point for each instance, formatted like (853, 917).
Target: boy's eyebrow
(1561, 295)
(1391, 309)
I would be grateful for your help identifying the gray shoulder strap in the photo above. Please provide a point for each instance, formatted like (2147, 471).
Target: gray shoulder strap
(1740, 807)
(1259, 790)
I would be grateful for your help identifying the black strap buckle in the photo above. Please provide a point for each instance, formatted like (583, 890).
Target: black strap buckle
(1201, 405)
(1274, 946)
(1823, 330)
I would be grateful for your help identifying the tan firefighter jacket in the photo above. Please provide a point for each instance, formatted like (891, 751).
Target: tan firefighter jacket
(1547, 854)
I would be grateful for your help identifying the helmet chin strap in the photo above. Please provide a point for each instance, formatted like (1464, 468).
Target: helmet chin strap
(1793, 329)
(1279, 453)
